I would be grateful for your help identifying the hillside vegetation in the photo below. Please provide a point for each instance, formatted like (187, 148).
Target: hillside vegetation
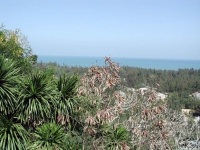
(52, 107)
(177, 84)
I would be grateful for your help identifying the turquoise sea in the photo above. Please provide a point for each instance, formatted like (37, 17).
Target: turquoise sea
(133, 62)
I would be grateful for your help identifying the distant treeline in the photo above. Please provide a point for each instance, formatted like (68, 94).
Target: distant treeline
(182, 80)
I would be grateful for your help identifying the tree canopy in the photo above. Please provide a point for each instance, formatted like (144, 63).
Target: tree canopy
(13, 44)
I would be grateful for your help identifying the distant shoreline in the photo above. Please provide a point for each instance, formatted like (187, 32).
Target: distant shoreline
(102, 57)
(163, 64)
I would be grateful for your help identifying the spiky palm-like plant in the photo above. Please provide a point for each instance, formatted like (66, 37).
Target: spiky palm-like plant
(37, 99)
(13, 136)
(67, 86)
(9, 74)
(49, 136)
(118, 139)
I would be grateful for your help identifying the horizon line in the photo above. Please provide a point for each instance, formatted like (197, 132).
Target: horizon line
(118, 57)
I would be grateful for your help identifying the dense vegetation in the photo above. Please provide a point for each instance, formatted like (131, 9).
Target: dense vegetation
(47, 106)
(179, 84)
(181, 80)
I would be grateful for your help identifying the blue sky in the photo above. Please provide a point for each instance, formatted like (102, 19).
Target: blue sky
(167, 29)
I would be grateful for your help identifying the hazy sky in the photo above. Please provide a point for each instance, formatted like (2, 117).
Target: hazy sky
(116, 28)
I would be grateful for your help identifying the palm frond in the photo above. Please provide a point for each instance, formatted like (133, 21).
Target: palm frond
(37, 98)
(67, 86)
(48, 136)
(9, 75)
(12, 135)
(118, 139)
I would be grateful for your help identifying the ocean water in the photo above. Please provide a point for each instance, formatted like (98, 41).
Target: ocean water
(132, 62)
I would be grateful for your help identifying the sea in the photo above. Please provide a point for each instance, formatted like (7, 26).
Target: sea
(158, 64)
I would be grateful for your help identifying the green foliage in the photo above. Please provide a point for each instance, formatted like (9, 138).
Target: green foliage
(9, 75)
(14, 45)
(37, 98)
(65, 103)
(73, 142)
(118, 139)
(187, 80)
(178, 101)
(182, 80)
(49, 71)
(13, 136)
(9, 44)
(49, 136)
(60, 70)
(67, 86)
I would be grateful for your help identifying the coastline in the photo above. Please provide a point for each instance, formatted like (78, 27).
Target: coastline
(158, 64)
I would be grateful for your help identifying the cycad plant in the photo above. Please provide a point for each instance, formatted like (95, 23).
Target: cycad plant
(49, 136)
(118, 139)
(67, 86)
(13, 136)
(37, 99)
(9, 75)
